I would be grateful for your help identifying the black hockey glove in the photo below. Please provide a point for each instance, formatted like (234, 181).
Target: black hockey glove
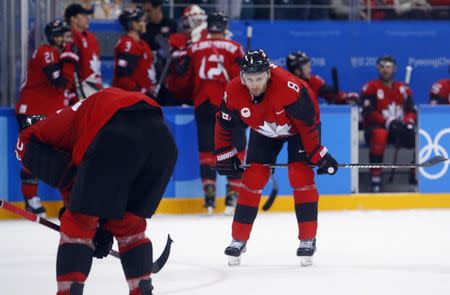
(228, 162)
(405, 133)
(103, 241)
(325, 163)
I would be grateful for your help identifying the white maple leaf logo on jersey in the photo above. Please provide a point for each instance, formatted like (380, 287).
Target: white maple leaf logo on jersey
(95, 64)
(393, 111)
(273, 130)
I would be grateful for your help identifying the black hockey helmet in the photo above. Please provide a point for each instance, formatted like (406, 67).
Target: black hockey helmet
(217, 22)
(296, 59)
(55, 28)
(255, 61)
(128, 16)
(386, 58)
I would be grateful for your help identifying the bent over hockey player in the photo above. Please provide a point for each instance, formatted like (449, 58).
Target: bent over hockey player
(115, 153)
(279, 108)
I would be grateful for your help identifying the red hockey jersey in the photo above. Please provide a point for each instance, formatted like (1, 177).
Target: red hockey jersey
(179, 85)
(133, 66)
(73, 129)
(382, 104)
(321, 89)
(89, 52)
(43, 91)
(289, 107)
(440, 92)
(214, 62)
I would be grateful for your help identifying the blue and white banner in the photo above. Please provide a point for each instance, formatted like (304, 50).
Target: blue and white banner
(352, 47)
(434, 139)
(185, 182)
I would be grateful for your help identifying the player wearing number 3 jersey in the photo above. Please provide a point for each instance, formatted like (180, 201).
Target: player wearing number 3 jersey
(212, 62)
(279, 108)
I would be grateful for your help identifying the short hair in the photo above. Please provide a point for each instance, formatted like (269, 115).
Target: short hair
(154, 3)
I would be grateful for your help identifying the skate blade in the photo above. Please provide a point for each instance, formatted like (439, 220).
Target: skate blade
(234, 261)
(210, 210)
(229, 211)
(305, 260)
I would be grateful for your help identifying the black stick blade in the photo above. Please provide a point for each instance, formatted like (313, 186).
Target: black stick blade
(161, 261)
(433, 161)
(273, 194)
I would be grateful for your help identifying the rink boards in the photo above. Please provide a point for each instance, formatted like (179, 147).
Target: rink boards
(339, 134)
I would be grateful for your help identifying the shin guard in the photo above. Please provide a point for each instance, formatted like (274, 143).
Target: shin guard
(254, 178)
(306, 197)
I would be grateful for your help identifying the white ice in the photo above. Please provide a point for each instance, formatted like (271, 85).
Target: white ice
(382, 253)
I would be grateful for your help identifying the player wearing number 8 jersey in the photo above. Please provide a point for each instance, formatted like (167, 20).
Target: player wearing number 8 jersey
(212, 62)
(279, 108)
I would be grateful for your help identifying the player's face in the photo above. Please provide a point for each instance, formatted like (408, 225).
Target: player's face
(58, 40)
(386, 70)
(81, 21)
(152, 12)
(306, 71)
(67, 37)
(256, 82)
(141, 25)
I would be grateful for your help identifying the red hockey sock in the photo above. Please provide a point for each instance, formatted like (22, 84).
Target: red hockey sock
(306, 199)
(254, 179)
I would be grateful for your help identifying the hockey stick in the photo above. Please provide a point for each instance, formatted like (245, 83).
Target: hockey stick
(273, 194)
(335, 79)
(429, 163)
(165, 46)
(249, 35)
(156, 267)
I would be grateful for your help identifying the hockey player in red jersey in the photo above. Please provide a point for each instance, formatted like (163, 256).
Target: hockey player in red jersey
(43, 93)
(115, 154)
(133, 67)
(389, 116)
(212, 63)
(279, 108)
(87, 47)
(440, 92)
(180, 86)
(299, 64)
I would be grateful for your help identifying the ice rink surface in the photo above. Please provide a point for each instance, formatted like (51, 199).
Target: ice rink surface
(382, 253)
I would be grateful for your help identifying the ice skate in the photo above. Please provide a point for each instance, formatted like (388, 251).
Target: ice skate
(230, 201)
(210, 198)
(234, 252)
(34, 206)
(306, 251)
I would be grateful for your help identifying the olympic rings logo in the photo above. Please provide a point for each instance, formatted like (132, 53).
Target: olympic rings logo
(433, 146)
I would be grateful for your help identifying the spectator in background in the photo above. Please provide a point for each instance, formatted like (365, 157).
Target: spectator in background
(411, 8)
(440, 9)
(348, 9)
(317, 9)
(107, 9)
(159, 28)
